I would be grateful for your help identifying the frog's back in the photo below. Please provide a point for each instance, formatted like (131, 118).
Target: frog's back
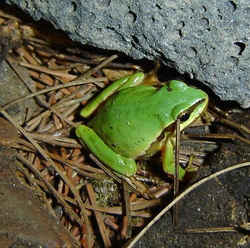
(130, 120)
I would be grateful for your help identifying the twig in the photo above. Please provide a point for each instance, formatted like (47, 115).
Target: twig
(56, 140)
(79, 200)
(176, 176)
(162, 191)
(98, 67)
(212, 229)
(132, 242)
(67, 208)
(51, 162)
(106, 170)
(9, 16)
(86, 81)
(80, 171)
(233, 124)
(90, 72)
(27, 135)
(220, 136)
(73, 58)
(126, 224)
(142, 204)
(118, 211)
(23, 76)
(49, 71)
(98, 216)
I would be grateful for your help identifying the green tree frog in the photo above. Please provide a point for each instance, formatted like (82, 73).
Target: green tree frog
(132, 120)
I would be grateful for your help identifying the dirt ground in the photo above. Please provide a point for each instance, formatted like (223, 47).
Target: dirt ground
(223, 202)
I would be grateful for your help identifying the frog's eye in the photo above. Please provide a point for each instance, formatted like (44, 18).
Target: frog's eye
(184, 117)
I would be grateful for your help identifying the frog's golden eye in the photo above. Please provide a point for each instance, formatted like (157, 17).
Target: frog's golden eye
(184, 117)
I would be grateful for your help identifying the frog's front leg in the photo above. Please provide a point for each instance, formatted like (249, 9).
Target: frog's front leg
(125, 82)
(168, 157)
(95, 144)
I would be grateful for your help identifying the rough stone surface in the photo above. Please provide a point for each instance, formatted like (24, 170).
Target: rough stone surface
(207, 40)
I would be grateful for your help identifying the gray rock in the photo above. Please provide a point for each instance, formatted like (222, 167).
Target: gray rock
(207, 40)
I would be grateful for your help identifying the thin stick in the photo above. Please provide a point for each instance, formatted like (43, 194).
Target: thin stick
(234, 124)
(182, 195)
(126, 225)
(27, 135)
(67, 208)
(220, 136)
(51, 162)
(88, 73)
(9, 16)
(118, 211)
(75, 59)
(77, 169)
(106, 170)
(75, 83)
(101, 65)
(78, 198)
(212, 229)
(98, 215)
(21, 74)
(56, 140)
(49, 71)
(24, 77)
(176, 176)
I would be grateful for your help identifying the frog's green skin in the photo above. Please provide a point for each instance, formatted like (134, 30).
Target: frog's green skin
(138, 120)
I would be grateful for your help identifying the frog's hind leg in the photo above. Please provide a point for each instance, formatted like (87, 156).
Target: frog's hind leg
(118, 163)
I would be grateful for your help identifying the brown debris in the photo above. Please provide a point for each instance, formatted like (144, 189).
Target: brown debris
(24, 215)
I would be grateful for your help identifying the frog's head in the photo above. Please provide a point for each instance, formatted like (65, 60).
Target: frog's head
(190, 102)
